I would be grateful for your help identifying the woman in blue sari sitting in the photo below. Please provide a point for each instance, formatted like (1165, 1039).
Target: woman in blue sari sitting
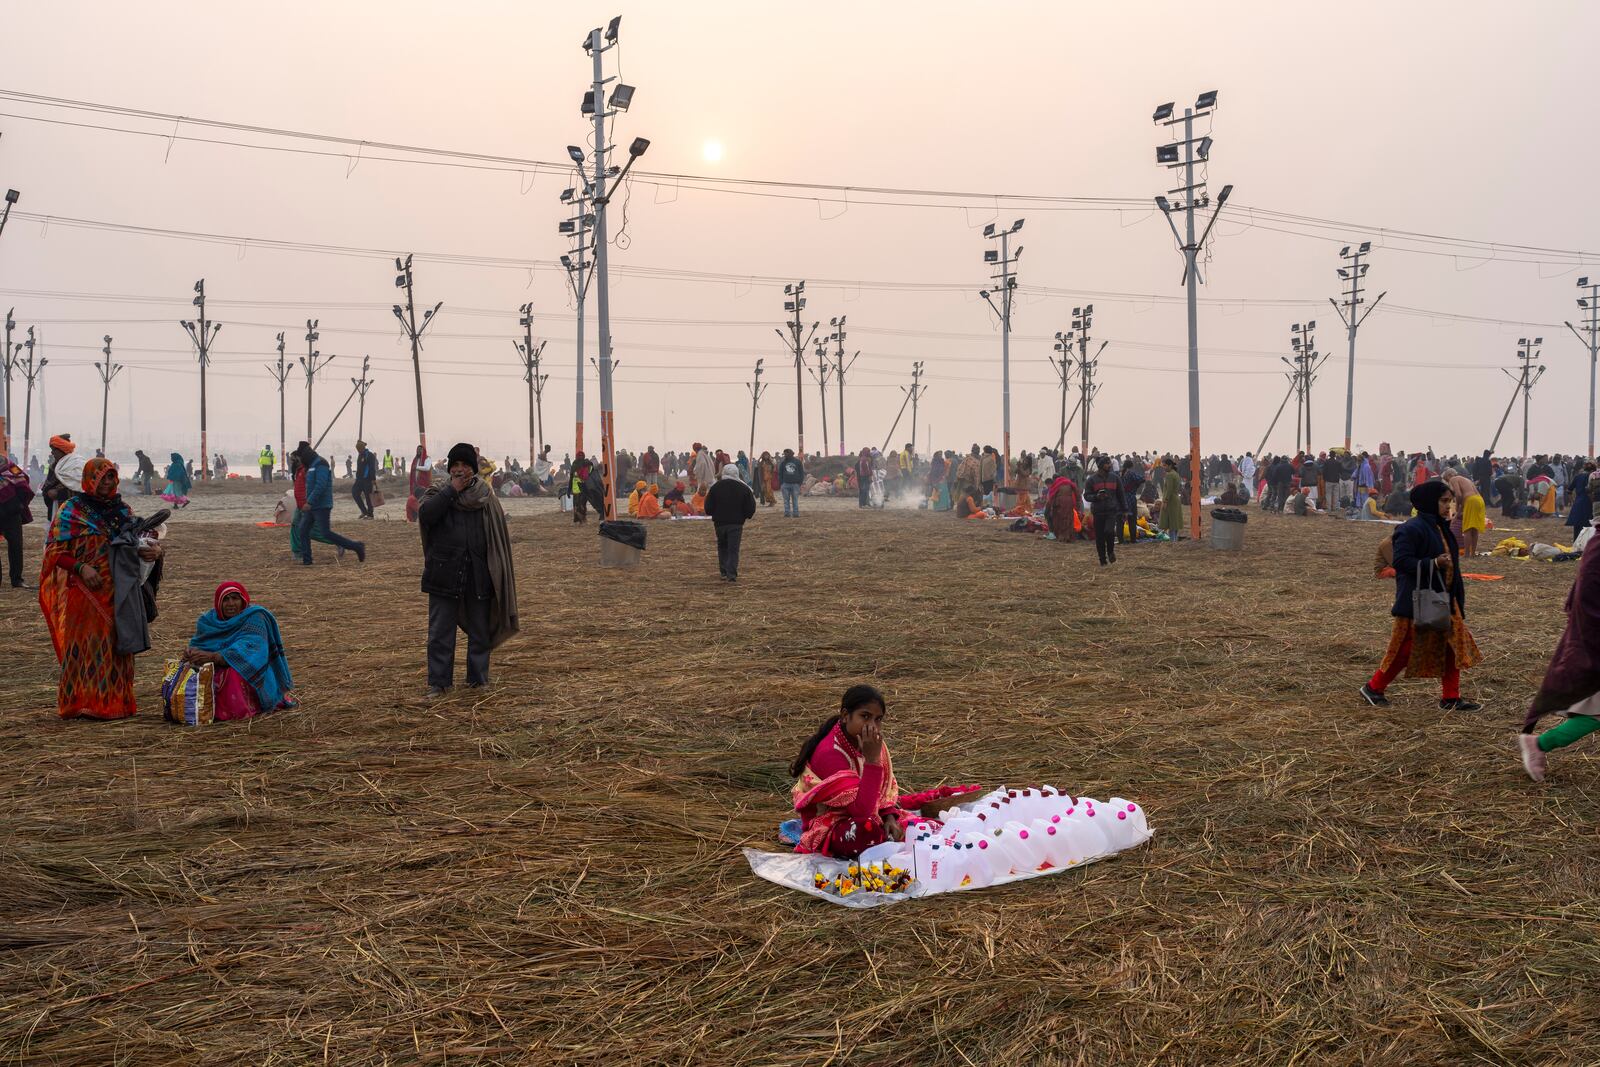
(250, 673)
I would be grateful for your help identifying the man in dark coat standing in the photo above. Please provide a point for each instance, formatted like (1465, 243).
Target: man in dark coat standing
(729, 504)
(466, 572)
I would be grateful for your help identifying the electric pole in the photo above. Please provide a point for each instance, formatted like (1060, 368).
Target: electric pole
(362, 384)
(1307, 362)
(839, 369)
(107, 371)
(202, 332)
(1588, 306)
(1184, 154)
(913, 395)
(795, 304)
(916, 397)
(1082, 322)
(8, 363)
(280, 374)
(1063, 365)
(824, 368)
(1004, 259)
(312, 362)
(579, 271)
(1527, 374)
(596, 102)
(1353, 272)
(529, 354)
(404, 279)
(31, 371)
(756, 389)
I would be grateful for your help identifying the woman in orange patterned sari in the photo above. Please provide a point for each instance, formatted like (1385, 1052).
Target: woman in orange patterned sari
(844, 785)
(75, 593)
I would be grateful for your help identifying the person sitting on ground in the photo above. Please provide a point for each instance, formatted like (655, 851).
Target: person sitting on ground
(635, 497)
(697, 503)
(250, 673)
(1300, 502)
(1398, 504)
(1231, 497)
(1024, 508)
(1369, 509)
(650, 507)
(844, 790)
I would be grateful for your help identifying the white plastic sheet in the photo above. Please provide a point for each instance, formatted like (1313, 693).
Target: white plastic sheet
(797, 870)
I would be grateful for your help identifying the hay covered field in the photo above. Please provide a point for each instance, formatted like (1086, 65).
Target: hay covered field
(548, 871)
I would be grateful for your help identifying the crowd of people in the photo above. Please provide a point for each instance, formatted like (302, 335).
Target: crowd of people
(102, 565)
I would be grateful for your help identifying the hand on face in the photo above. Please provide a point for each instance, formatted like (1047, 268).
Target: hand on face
(461, 476)
(872, 741)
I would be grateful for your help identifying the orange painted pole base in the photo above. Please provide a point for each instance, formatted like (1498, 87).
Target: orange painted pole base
(1195, 487)
(577, 444)
(608, 456)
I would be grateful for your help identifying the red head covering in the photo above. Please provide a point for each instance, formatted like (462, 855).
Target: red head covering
(94, 470)
(62, 443)
(226, 588)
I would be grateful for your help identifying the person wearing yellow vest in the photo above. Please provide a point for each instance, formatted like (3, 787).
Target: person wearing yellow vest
(267, 461)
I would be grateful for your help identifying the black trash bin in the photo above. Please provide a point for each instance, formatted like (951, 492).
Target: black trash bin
(1227, 528)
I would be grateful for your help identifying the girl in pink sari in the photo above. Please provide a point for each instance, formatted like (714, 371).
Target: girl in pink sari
(844, 787)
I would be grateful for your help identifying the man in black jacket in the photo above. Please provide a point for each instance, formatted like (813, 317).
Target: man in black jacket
(1104, 493)
(456, 575)
(729, 503)
(366, 479)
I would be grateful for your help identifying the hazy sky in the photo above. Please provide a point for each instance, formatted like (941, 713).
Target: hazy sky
(1465, 120)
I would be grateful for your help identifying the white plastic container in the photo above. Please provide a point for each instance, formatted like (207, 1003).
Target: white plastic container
(1027, 844)
(1085, 837)
(1052, 840)
(1126, 824)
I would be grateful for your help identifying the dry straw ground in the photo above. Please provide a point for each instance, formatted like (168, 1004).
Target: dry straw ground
(549, 871)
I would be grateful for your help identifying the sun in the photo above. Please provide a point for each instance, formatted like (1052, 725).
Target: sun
(711, 151)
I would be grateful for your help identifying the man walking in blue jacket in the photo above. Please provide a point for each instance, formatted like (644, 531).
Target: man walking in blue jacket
(319, 507)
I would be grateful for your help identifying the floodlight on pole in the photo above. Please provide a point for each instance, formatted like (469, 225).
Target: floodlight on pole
(1006, 261)
(280, 374)
(406, 279)
(201, 332)
(1181, 155)
(597, 45)
(1589, 306)
(32, 369)
(8, 364)
(1353, 273)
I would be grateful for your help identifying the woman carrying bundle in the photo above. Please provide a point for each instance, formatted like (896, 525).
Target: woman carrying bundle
(240, 640)
(1425, 545)
(77, 596)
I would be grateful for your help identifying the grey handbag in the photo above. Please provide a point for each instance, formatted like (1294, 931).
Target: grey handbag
(1430, 607)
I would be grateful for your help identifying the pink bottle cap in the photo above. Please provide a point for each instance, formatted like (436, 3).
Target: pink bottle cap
(1050, 829)
(1133, 807)
(1022, 834)
(1055, 818)
(983, 844)
(1122, 815)
(1091, 813)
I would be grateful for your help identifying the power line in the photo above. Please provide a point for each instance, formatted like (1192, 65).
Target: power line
(1390, 238)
